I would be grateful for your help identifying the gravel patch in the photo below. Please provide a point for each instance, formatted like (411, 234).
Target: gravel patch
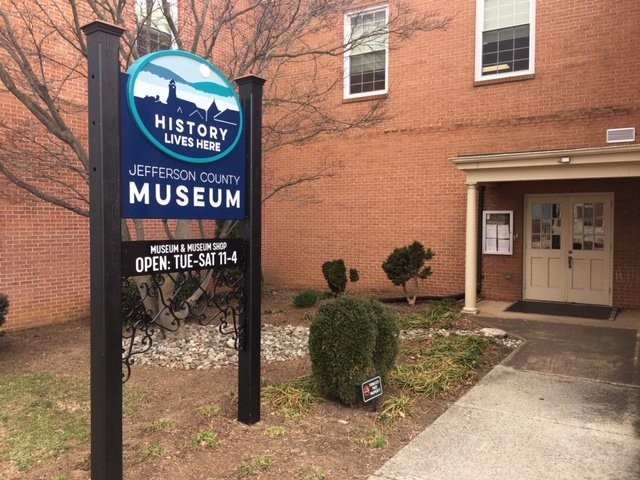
(206, 347)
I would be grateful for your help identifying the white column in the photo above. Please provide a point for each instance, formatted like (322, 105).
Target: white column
(471, 253)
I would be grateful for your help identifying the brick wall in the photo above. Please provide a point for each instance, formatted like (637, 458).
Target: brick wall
(44, 264)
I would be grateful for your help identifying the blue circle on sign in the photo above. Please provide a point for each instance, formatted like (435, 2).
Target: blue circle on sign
(184, 106)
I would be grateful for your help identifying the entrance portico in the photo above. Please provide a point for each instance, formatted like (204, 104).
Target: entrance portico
(600, 165)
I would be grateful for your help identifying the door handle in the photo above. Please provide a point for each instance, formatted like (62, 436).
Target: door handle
(570, 260)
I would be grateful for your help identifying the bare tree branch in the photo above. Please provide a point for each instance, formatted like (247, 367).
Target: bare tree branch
(297, 45)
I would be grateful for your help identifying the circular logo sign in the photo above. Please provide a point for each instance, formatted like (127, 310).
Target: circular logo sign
(184, 106)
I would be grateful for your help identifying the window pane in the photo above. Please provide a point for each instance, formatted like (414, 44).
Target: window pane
(153, 40)
(535, 241)
(505, 13)
(535, 226)
(599, 209)
(537, 210)
(545, 226)
(521, 54)
(512, 47)
(368, 32)
(520, 65)
(490, 42)
(367, 72)
(577, 242)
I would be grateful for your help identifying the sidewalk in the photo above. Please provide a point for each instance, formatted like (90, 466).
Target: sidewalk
(528, 419)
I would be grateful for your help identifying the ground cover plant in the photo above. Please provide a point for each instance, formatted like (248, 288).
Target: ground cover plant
(182, 424)
(305, 299)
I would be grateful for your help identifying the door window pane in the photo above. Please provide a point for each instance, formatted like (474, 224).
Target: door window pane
(588, 226)
(546, 224)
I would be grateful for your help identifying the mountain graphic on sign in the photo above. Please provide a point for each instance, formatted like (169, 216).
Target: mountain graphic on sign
(204, 87)
(178, 107)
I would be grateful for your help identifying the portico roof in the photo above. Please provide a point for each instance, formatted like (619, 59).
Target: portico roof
(581, 163)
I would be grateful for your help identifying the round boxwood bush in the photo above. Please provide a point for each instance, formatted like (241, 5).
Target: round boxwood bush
(351, 340)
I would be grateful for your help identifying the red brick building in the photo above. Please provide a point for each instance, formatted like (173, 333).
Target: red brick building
(510, 150)
(515, 108)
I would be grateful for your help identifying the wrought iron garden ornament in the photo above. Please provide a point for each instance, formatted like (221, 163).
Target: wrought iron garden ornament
(221, 301)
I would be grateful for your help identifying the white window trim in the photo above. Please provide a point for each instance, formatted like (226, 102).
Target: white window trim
(347, 54)
(532, 45)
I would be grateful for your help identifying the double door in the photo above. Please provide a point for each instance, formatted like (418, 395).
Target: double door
(568, 248)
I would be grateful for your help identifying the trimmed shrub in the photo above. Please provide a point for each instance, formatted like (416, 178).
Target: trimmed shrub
(350, 340)
(305, 299)
(407, 263)
(335, 273)
(4, 308)
(354, 276)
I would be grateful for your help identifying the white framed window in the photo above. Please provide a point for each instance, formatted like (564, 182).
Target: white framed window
(505, 38)
(366, 59)
(154, 33)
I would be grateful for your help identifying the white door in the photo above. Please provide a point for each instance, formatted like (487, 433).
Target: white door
(568, 248)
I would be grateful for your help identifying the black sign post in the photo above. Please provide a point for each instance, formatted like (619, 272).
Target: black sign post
(103, 42)
(250, 92)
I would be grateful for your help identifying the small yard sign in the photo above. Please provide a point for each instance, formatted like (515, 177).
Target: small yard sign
(371, 389)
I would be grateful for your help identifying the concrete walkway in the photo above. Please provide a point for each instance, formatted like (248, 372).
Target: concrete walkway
(566, 405)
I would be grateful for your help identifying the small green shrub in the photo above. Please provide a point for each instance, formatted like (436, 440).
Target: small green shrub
(407, 263)
(210, 410)
(151, 450)
(350, 340)
(275, 431)
(373, 438)
(253, 467)
(162, 424)
(305, 299)
(311, 472)
(205, 438)
(4, 308)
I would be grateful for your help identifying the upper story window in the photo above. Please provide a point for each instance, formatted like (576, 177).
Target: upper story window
(505, 38)
(154, 33)
(366, 58)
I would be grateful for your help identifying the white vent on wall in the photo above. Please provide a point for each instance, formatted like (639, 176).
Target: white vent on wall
(618, 135)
